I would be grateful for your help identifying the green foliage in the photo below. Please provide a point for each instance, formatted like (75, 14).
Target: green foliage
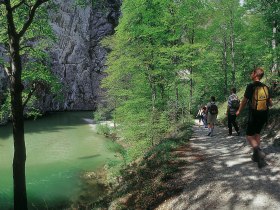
(145, 180)
(269, 16)
(39, 37)
(169, 57)
(5, 107)
(103, 129)
(150, 53)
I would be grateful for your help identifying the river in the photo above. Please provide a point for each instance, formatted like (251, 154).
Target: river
(60, 147)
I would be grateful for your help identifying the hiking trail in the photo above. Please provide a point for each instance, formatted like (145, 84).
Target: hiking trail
(220, 174)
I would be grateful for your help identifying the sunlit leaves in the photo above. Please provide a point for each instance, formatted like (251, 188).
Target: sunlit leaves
(33, 45)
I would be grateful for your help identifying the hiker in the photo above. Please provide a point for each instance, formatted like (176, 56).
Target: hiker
(212, 112)
(204, 116)
(233, 105)
(200, 116)
(257, 96)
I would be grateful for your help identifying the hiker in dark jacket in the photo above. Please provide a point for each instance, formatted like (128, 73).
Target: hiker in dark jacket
(257, 96)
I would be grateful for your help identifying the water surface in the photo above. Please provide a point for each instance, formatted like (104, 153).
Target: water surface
(60, 147)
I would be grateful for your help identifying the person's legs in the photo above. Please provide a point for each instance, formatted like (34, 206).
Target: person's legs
(252, 141)
(229, 125)
(254, 144)
(254, 127)
(258, 139)
(258, 155)
(209, 129)
(212, 129)
(235, 125)
(204, 121)
(213, 124)
(211, 121)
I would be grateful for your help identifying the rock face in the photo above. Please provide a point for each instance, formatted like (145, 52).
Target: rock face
(3, 75)
(78, 59)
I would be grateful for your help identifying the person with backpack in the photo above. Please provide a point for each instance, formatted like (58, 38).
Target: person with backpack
(233, 105)
(257, 96)
(212, 112)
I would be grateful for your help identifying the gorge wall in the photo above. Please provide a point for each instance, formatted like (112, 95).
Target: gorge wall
(78, 59)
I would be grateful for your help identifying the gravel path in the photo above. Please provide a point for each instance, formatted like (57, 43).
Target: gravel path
(219, 174)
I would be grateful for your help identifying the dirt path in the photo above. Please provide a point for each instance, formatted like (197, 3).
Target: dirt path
(221, 175)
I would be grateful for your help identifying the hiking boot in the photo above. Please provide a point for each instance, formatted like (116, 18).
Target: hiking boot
(254, 158)
(261, 161)
(209, 134)
(257, 154)
(261, 154)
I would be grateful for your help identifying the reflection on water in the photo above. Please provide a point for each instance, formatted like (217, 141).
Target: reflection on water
(59, 148)
(88, 157)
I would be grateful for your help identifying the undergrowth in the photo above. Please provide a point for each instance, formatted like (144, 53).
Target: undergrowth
(143, 184)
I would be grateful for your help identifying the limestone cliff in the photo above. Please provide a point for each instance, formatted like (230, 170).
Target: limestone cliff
(78, 59)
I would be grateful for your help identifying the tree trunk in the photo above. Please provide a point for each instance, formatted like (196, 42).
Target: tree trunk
(177, 102)
(225, 64)
(191, 90)
(15, 72)
(191, 73)
(232, 47)
(275, 63)
(20, 195)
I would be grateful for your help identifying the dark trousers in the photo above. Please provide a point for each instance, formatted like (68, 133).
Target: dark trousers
(232, 122)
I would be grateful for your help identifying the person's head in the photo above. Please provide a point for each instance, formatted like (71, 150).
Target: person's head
(233, 90)
(257, 74)
(213, 98)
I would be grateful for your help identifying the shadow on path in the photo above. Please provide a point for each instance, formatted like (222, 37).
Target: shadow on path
(219, 174)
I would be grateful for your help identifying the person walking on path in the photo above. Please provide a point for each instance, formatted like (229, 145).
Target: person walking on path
(233, 105)
(204, 116)
(200, 115)
(212, 112)
(257, 96)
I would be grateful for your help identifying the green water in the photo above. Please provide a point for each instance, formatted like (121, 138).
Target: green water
(59, 148)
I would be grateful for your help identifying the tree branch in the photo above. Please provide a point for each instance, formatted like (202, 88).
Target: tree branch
(18, 5)
(32, 12)
(27, 46)
(8, 71)
(29, 95)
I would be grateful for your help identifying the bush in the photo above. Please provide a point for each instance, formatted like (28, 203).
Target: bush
(103, 129)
